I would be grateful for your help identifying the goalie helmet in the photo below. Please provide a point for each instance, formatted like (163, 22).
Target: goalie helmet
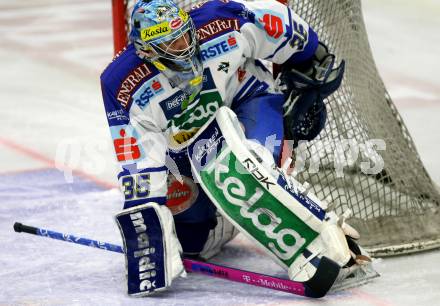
(165, 35)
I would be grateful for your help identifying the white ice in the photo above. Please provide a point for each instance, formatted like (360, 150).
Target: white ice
(51, 54)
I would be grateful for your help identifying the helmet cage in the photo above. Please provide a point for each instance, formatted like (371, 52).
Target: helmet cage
(177, 59)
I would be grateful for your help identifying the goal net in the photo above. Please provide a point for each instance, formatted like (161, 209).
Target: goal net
(395, 209)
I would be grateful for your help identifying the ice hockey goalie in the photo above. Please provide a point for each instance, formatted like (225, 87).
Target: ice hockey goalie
(198, 122)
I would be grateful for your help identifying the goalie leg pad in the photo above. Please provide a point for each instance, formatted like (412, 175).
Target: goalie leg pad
(283, 219)
(151, 248)
(284, 224)
(223, 232)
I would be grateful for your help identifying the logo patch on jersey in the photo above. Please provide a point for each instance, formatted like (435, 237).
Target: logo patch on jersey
(203, 151)
(184, 126)
(224, 66)
(272, 24)
(232, 41)
(135, 77)
(184, 122)
(173, 105)
(217, 47)
(216, 27)
(300, 37)
(125, 141)
(147, 91)
(181, 196)
(118, 116)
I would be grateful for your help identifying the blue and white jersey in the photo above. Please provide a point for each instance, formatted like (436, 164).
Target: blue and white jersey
(147, 115)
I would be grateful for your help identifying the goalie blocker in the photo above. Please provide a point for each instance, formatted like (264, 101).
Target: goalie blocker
(152, 251)
(272, 210)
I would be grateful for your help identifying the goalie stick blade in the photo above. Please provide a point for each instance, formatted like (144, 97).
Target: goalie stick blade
(324, 278)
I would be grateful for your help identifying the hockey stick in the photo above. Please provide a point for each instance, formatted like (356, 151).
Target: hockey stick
(316, 287)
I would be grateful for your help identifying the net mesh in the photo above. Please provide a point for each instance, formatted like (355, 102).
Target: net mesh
(395, 210)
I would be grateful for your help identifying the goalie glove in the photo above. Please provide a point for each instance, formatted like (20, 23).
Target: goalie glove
(152, 250)
(305, 88)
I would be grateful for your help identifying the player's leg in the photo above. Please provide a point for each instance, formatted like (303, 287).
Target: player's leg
(274, 211)
(200, 229)
(262, 119)
(221, 234)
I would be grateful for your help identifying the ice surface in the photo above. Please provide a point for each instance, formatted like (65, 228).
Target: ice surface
(51, 54)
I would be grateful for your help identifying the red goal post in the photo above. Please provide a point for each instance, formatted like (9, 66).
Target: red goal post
(120, 28)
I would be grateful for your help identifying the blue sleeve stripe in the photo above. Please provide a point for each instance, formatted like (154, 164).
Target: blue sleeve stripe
(256, 88)
(158, 200)
(244, 88)
(252, 89)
